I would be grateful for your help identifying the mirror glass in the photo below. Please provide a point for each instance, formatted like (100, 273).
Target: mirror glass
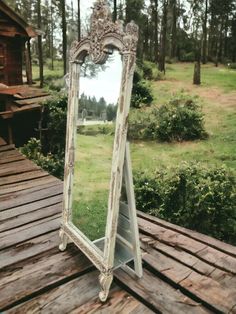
(99, 93)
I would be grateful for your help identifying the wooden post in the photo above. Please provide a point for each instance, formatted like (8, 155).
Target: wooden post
(10, 133)
(28, 64)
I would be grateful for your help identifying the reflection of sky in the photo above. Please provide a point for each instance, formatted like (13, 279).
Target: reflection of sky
(106, 84)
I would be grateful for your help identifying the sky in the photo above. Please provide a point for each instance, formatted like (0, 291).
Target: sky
(107, 83)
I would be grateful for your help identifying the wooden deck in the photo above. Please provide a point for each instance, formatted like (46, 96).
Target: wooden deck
(184, 271)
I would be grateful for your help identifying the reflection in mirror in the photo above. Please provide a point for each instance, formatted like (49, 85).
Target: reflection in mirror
(99, 93)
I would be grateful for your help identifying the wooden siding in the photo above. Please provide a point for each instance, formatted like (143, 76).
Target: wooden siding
(184, 271)
(11, 69)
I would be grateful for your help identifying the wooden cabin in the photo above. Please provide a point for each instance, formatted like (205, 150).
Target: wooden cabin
(20, 105)
(15, 35)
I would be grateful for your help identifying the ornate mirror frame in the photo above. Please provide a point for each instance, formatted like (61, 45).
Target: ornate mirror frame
(104, 36)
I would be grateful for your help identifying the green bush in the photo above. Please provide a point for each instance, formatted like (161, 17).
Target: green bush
(151, 72)
(141, 93)
(188, 57)
(142, 125)
(54, 120)
(49, 153)
(232, 66)
(193, 196)
(54, 164)
(181, 119)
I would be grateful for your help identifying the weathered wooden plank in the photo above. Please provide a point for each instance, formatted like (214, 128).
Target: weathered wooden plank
(177, 253)
(20, 186)
(20, 210)
(11, 159)
(17, 167)
(119, 302)
(161, 296)
(24, 233)
(23, 177)
(30, 217)
(225, 279)
(34, 100)
(208, 254)
(204, 288)
(7, 147)
(40, 273)
(10, 153)
(30, 195)
(28, 249)
(209, 241)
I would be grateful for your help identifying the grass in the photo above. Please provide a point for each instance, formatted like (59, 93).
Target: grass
(92, 173)
(48, 72)
(91, 183)
(219, 76)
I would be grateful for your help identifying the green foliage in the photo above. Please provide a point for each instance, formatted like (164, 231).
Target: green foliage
(232, 66)
(94, 130)
(54, 119)
(49, 153)
(141, 93)
(142, 125)
(193, 196)
(150, 71)
(95, 109)
(188, 57)
(180, 119)
(54, 164)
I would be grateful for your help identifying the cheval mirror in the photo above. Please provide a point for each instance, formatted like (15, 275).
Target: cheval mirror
(99, 213)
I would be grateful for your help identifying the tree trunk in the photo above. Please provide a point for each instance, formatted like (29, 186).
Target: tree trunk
(197, 67)
(173, 30)
(156, 30)
(40, 47)
(197, 73)
(52, 39)
(79, 22)
(204, 29)
(162, 56)
(64, 36)
(115, 10)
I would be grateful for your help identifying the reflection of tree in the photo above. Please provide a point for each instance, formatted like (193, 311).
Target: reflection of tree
(96, 109)
(91, 70)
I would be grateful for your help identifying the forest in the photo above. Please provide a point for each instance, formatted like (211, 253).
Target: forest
(182, 119)
(177, 30)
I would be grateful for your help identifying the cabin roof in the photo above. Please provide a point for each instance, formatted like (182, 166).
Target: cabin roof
(12, 15)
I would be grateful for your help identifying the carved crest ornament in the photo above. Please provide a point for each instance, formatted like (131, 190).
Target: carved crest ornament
(102, 29)
(104, 37)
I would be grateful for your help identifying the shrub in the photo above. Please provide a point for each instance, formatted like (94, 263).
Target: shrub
(54, 120)
(232, 66)
(54, 164)
(141, 92)
(151, 72)
(180, 120)
(188, 57)
(142, 125)
(147, 70)
(193, 196)
(49, 153)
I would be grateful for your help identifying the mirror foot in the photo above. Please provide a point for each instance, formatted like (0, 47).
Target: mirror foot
(64, 240)
(105, 280)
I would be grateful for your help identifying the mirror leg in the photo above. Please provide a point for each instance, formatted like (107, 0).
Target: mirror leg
(105, 280)
(64, 240)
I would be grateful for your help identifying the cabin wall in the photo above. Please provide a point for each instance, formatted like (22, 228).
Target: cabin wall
(11, 60)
